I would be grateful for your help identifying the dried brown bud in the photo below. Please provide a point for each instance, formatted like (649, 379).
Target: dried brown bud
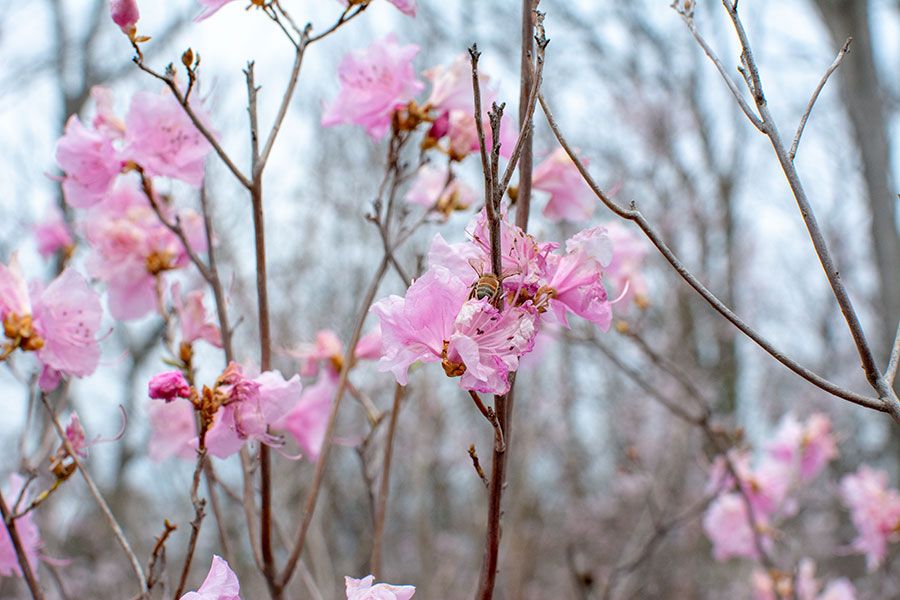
(187, 59)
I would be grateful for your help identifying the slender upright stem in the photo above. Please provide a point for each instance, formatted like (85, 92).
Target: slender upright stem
(385, 485)
(33, 586)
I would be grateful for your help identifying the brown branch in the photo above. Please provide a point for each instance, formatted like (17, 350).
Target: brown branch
(199, 512)
(385, 485)
(890, 372)
(473, 454)
(98, 498)
(157, 563)
(812, 101)
(635, 216)
(33, 586)
(474, 54)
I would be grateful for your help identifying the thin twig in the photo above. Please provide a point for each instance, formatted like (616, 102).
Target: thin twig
(33, 586)
(812, 101)
(890, 371)
(98, 498)
(635, 216)
(199, 512)
(479, 127)
(385, 485)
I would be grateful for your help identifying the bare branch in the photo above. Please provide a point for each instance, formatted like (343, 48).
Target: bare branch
(385, 485)
(9, 522)
(891, 371)
(837, 62)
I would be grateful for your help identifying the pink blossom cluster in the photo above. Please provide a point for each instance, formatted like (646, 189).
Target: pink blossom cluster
(59, 322)
(131, 249)
(444, 316)
(797, 454)
(875, 512)
(805, 586)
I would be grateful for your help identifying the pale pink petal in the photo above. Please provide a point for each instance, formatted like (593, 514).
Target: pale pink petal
(173, 426)
(90, 164)
(220, 584)
(210, 7)
(308, 419)
(570, 197)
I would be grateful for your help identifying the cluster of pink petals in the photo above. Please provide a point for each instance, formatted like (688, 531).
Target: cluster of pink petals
(375, 82)
(253, 405)
(125, 234)
(65, 315)
(157, 134)
(570, 197)
(25, 528)
(367, 589)
(407, 7)
(453, 101)
(168, 386)
(799, 452)
(438, 320)
(125, 14)
(435, 188)
(804, 587)
(874, 510)
(76, 435)
(173, 429)
(193, 320)
(220, 584)
(52, 234)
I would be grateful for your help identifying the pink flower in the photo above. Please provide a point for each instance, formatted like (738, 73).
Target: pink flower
(308, 419)
(161, 138)
(435, 188)
(67, 315)
(369, 345)
(629, 251)
(375, 82)
(574, 281)
(125, 14)
(210, 7)
(106, 121)
(570, 197)
(327, 349)
(456, 258)
(809, 446)
(220, 584)
(52, 234)
(874, 510)
(90, 163)
(250, 407)
(168, 386)
(804, 587)
(76, 435)
(415, 327)
(173, 427)
(407, 7)
(728, 528)
(14, 298)
(130, 248)
(363, 589)
(489, 343)
(192, 318)
(25, 528)
(839, 589)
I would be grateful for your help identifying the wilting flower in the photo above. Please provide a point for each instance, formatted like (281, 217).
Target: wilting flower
(220, 584)
(210, 7)
(570, 197)
(125, 14)
(173, 427)
(375, 82)
(90, 162)
(249, 407)
(168, 386)
(162, 139)
(367, 589)
(25, 528)
(52, 235)
(874, 510)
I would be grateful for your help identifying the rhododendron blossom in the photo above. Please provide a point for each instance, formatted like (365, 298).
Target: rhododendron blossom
(804, 586)
(367, 589)
(570, 197)
(220, 584)
(624, 271)
(52, 235)
(249, 407)
(435, 188)
(727, 526)
(194, 324)
(90, 162)
(375, 82)
(168, 386)
(173, 427)
(25, 528)
(809, 445)
(308, 419)
(874, 510)
(59, 323)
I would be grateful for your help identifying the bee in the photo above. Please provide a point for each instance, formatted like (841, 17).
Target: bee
(487, 286)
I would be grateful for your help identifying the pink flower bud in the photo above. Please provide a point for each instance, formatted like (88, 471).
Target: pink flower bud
(124, 13)
(168, 386)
